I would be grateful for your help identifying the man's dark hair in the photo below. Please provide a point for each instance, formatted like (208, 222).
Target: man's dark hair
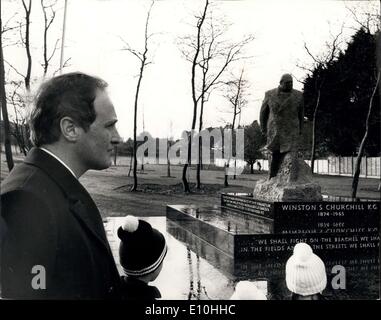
(68, 95)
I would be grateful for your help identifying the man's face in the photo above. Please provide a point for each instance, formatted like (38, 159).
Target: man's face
(97, 143)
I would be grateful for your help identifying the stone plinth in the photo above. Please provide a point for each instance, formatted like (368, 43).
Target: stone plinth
(293, 183)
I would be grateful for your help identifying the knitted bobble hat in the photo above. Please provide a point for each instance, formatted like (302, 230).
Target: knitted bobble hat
(305, 271)
(142, 248)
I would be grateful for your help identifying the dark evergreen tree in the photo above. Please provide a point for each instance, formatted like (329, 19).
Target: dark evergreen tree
(346, 87)
(254, 141)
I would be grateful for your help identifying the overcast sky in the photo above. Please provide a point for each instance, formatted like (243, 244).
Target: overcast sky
(93, 43)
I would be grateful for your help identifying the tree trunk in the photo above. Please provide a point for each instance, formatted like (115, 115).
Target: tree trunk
(198, 178)
(115, 154)
(184, 178)
(252, 168)
(135, 185)
(135, 162)
(198, 173)
(168, 169)
(23, 138)
(363, 142)
(27, 45)
(193, 83)
(45, 51)
(185, 168)
(226, 183)
(234, 119)
(314, 133)
(168, 161)
(129, 171)
(7, 133)
(143, 60)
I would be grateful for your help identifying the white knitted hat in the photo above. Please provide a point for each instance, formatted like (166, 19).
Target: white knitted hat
(246, 290)
(305, 271)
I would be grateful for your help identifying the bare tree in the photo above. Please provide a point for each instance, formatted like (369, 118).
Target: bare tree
(17, 99)
(210, 55)
(20, 132)
(366, 14)
(322, 61)
(143, 58)
(49, 16)
(236, 96)
(23, 28)
(19, 96)
(26, 42)
(4, 110)
(374, 19)
(196, 52)
(364, 139)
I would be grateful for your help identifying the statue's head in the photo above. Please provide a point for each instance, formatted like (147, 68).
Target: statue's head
(285, 83)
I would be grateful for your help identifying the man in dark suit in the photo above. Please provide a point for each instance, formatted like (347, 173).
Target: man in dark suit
(55, 246)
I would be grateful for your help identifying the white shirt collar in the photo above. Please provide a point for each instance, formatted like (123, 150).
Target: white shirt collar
(63, 163)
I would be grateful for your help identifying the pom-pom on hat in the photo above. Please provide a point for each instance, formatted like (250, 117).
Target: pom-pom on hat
(246, 290)
(305, 271)
(142, 248)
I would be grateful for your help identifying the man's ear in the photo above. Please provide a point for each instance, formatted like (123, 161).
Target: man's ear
(69, 129)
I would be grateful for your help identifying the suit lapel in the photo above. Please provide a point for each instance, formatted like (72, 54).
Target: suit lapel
(80, 202)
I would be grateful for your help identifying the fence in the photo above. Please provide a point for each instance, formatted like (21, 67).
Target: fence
(336, 166)
(345, 166)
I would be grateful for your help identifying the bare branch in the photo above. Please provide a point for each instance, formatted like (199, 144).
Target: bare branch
(11, 44)
(54, 50)
(14, 69)
(304, 68)
(334, 45)
(333, 49)
(64, 65)
(20, 26)
(131, 50)
(310, 54)
(6, 26)
(357, 20)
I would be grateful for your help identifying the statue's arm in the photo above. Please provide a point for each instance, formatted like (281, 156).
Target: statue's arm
(264, 114)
